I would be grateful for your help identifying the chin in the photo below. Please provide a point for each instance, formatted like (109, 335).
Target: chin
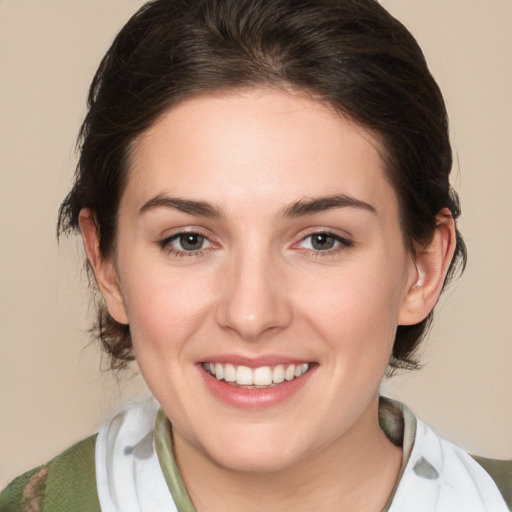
(243, 462)
(255, 452)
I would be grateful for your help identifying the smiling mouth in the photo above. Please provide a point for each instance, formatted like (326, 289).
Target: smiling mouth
(255, 378)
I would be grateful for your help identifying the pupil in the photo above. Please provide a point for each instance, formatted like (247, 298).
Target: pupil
(322, 242)
(191, 242)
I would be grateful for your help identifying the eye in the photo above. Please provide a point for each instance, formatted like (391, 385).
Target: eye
(324, 242)
(189, 241)
(186, 243)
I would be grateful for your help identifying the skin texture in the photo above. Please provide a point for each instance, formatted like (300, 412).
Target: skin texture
(259, 290)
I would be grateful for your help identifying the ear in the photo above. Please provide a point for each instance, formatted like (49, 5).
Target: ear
(104, 267)
(431, 263)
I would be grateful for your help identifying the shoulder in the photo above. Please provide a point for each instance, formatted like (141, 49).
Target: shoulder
(436, 471)
(67, 482)
(501, 472)
(479, 483)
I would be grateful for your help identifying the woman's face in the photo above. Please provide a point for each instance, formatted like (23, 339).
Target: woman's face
(259, 240)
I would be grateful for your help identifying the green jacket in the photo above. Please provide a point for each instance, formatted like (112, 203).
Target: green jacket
(65, 484)
(68, 482)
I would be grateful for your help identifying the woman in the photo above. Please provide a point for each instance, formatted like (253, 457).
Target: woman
(264, 200)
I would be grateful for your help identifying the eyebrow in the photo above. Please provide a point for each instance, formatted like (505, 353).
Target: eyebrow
(200, 208)
(309, 206)
(303, 207)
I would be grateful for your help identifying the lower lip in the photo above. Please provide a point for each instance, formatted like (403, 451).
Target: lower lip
(245, 398)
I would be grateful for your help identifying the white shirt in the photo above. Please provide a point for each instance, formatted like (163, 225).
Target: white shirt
(437, 476)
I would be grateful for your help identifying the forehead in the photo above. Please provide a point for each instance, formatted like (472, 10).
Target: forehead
(266, 145)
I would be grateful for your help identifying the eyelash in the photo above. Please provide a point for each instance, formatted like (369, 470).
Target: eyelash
(166, 244)
(341, 244)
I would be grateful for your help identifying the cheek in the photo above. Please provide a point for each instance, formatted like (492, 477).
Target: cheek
(163, 309)
(356, 307)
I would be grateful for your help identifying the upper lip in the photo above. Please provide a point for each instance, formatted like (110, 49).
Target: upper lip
(254, 362)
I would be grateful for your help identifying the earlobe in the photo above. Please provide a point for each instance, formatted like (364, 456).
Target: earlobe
(431, 265)
(104, 267)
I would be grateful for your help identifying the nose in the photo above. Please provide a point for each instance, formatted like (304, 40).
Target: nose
(254, 301)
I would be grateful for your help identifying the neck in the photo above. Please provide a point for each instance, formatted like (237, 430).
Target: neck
(356, 472)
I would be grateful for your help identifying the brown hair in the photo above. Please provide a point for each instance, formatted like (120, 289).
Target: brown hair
(350, 53)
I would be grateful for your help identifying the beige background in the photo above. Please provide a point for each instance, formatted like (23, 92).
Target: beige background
(52, 389)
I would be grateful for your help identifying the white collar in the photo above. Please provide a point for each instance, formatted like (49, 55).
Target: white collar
(128, 474)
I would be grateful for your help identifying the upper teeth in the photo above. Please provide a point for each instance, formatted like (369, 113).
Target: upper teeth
(261, 376)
